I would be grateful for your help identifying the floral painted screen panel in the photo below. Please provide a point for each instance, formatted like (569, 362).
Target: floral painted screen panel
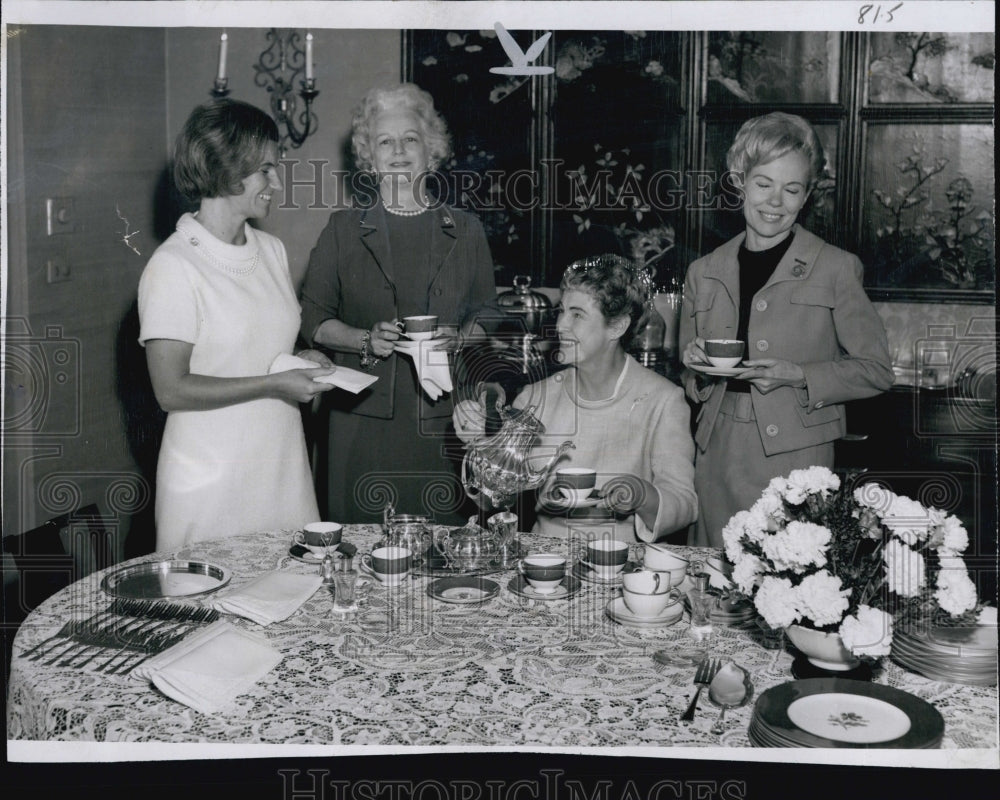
(617, 143)
(927, 201)
(773, 67)
(723, 216)
(931, 68)
(489, 117)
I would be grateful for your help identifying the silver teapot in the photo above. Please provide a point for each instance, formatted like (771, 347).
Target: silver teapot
(497, 466)
(413, 531)
(470, 547)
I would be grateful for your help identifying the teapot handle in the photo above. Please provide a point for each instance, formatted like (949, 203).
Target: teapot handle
(485, 387)
(387, 513)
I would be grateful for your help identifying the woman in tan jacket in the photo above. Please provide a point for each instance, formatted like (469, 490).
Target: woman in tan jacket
(813, 339)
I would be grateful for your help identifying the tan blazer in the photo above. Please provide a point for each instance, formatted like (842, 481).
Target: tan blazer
(814, 312)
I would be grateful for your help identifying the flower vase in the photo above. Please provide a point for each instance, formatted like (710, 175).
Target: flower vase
(823, 650)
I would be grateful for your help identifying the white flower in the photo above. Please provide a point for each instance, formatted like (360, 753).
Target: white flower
(904, 567)
(746, 572)
(822, 598)
(797, 547)
(867, 633)
(908, 520)
(956, 593)
(956, 538)
(874, 496)
(732, 532)
(775, 601)
(813, 480)
(772, 509)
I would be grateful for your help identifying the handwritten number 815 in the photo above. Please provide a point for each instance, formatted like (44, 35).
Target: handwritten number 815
(867, 8)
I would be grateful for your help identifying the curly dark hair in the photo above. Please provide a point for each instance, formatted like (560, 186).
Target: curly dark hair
(619, 287)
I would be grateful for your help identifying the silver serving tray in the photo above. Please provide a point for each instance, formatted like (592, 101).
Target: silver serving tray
(160, 579)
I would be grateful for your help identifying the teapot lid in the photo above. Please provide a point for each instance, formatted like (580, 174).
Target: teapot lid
(522, 297)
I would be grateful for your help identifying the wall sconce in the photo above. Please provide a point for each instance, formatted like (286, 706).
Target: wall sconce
(285, 55)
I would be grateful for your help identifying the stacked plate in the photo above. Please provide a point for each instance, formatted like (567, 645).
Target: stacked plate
(954, 655)
(833, 712)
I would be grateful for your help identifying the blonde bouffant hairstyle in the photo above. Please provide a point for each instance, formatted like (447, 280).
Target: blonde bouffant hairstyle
(763, 139)
(409, 97)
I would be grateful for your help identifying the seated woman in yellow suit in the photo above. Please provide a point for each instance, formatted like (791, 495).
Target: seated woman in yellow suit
(814, 340)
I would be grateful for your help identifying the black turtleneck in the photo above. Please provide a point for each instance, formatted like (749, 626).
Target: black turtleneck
(756, 268)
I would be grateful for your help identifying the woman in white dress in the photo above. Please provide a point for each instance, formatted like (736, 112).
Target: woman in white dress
(216, 307)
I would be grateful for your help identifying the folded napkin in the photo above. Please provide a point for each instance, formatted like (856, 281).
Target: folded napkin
(210, 668)
(432, 366)
(272, 597)
(344, 378)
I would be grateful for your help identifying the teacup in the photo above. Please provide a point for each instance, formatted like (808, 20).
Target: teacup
(645, 581)
(317, 536)
(644, 604)
(575, 483)
(420, 327)
(724, 352)
(543, 571)
(390, 565)
(606, 556)
(659, 559)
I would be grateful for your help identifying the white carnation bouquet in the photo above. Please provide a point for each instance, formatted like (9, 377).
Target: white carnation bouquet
(812, 553)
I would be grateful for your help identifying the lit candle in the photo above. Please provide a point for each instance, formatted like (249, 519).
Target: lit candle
(309, 56)
(223, 46)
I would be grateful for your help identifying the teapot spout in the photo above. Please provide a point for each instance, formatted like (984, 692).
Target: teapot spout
(539, 477)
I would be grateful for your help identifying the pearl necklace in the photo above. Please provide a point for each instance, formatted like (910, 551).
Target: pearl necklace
(400, 213)
(195, 242)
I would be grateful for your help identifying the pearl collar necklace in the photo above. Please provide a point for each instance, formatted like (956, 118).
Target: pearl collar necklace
(243, 267)
(400, 213)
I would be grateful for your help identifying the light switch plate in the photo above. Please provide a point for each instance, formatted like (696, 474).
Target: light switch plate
(57, 271)
(60, 215)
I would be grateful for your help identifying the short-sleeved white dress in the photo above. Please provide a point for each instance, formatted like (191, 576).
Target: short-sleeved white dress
(242, 467)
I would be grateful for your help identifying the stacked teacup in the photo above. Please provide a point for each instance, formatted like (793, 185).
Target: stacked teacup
(650, 591)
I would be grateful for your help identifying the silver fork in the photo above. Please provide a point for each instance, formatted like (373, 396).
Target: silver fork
(702, 677)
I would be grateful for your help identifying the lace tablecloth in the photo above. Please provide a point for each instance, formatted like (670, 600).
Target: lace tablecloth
(412, 670)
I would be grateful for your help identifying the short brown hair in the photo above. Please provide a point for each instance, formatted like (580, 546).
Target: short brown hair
(221, 143)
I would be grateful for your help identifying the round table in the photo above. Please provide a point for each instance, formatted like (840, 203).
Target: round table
(413, 670)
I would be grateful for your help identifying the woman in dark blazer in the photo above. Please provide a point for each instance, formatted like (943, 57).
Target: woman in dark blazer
(813, 339)
(405, 254)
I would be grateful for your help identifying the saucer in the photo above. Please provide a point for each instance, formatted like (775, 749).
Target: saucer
(585, 573)
(519, 585)
(558, 502)
(302, 553)
(618, 612)
(463, 590)
(721, 372)
(405, 343)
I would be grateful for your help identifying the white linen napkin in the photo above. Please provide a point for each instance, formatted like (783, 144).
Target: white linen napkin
(431, 364)
(344, 378)
(210, 668)
(272, 597)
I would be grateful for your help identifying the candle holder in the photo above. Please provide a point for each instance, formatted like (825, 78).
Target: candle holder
(278, 68)
(221, 88)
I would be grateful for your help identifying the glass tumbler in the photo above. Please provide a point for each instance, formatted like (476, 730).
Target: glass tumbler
(345, 579)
